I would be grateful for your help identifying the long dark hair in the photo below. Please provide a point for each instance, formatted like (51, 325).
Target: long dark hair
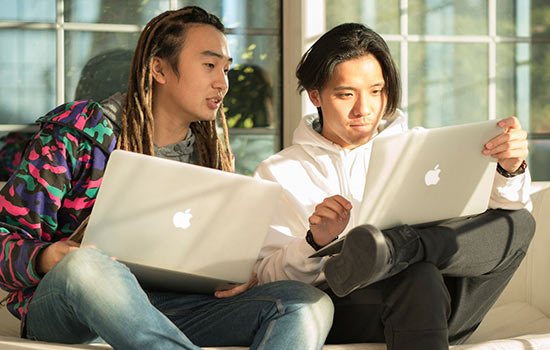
(342, 43)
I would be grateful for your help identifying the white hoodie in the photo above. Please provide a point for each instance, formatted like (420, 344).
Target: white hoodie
(314, 168)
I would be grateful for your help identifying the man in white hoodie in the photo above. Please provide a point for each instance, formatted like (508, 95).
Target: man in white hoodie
(412, 287)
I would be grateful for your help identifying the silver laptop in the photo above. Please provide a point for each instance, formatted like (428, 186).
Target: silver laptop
(427, 175)
(180, 227)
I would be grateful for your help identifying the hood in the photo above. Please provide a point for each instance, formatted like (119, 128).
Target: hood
(112, 108)
(308, 133)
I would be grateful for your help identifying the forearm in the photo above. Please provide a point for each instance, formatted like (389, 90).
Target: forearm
(18, 259)
(288, 262)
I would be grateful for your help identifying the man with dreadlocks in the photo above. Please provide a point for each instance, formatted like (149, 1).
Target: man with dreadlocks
(64, 293)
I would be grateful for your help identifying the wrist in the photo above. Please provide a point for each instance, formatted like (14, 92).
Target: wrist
(311, 241)
(518, 171)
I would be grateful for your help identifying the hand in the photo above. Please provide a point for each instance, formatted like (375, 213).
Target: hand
(510, 147)
(51, 255)
(329, 219)
(252, 282)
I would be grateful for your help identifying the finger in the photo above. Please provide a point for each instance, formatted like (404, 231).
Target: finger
(509, 146)
(514, 154)
(326, 213)
(343, 202)
(231, 292)
(509, 123)
(70, 249)
(72, 244)
(315, 220)
(512, 136)
(335, 206)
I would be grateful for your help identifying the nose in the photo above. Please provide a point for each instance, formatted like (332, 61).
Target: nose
(221, 83)
(361, 107)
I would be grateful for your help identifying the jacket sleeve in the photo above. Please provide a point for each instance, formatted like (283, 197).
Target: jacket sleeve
(285, 253)
(511, 193)
(29, 204)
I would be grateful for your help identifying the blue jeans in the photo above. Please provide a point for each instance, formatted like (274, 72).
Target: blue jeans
(88, 297)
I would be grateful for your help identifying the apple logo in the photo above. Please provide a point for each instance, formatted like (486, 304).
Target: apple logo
(182, 219)
(432, 176)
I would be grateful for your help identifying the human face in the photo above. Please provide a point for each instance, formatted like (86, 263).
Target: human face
(352, 101)
(197, 91)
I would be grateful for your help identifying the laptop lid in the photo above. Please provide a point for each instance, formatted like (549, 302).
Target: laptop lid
(178, 226)
(426, 175)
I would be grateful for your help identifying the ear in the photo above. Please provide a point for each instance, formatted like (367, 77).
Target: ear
(159, 70)
(314, 97)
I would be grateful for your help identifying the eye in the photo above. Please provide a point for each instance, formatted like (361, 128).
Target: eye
(345, 95)
(209, 65)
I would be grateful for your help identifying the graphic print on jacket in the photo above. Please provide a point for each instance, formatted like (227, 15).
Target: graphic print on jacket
(51, 192)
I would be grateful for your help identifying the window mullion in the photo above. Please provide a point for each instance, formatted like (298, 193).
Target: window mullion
(404, 53)
(60, 54)
(492, 87)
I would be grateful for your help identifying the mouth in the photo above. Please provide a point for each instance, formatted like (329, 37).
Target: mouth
(214, 102)
(361, 125)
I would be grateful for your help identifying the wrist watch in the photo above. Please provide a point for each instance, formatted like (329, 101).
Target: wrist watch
(506, 173)
(311, 241)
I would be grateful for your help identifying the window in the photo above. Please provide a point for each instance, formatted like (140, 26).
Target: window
(468, 60)
(54, 50)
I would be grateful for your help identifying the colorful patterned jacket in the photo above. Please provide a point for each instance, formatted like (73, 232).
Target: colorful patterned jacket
(51, 192)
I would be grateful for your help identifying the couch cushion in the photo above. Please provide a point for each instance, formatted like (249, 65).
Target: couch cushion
(510, 321)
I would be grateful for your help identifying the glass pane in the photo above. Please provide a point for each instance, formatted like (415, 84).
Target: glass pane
(380, 15)
(395, 49)
(523, 18)
(539, 117)
(107, 11)
(447, 83)
(540, 17)
(254, 82)
(97, 64)
(27, 10)
(234, 13)
(522, 76)
(443, 17)
(241, 13)
(539, 154)
(27, 68)
(250, 150)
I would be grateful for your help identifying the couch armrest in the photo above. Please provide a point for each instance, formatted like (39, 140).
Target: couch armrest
(530, 283)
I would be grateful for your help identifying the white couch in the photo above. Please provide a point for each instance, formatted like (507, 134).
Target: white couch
(519, 320)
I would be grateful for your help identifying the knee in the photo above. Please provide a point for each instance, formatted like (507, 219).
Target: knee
(311, 309)
(522, 226)
(86, 272)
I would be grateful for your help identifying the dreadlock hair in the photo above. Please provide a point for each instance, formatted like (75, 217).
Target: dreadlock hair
(163, 37)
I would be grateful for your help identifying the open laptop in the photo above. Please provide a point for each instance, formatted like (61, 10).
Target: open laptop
(180, 227)
(425, 176)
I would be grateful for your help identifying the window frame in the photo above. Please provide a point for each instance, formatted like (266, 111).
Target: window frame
(60, 27)
(311, 19)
